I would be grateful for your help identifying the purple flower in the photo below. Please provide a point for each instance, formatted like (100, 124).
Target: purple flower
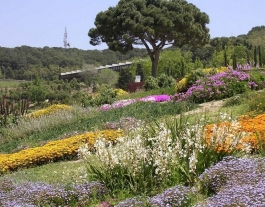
(235, 182)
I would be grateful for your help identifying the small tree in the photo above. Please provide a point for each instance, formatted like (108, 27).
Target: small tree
(37, 91)
(108, 77)
(125, 77)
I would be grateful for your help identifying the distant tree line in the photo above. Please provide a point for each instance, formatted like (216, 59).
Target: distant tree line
(27, 63)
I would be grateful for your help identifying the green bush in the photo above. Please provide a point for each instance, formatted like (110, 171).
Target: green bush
(125, 77)
(106, 95)
(258, 78)
(151, 83)
(193, 76)
(165, 81)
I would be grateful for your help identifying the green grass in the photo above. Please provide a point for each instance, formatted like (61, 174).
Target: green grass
(8, 83)
(52, 173)
(146, 111)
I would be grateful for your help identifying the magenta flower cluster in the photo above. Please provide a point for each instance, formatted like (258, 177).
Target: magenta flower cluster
(216, 87)
(123, 103)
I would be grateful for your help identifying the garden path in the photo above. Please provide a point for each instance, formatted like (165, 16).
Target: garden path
(207, 107)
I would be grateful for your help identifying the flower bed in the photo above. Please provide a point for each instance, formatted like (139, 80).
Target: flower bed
(54, 150)
(251, 128)
(48, 110)
(122, 103)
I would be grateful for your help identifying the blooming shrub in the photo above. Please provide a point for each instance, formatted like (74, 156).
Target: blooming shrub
(49, 110)
(54, 150)
(189, 79)
(182, 85)
(216, 87)
(121, 92)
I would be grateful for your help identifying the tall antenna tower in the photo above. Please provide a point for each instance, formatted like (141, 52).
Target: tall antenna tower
(65, 41)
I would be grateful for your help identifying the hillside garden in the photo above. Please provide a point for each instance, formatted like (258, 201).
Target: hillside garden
(142, 148)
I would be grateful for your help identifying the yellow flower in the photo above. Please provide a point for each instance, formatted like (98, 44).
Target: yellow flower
(49, 110)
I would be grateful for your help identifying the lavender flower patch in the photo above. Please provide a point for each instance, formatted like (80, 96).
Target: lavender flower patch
(236, 182)
(177, 196)
(34, 194)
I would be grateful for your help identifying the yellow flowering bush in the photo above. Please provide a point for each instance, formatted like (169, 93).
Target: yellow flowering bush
(216, 70)
(48, 110)
(182, 84)
(54, 150)
(120, 92)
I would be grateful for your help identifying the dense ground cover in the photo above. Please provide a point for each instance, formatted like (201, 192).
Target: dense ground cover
(163, 161)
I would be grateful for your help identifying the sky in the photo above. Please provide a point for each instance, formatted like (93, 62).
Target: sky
(40, 23)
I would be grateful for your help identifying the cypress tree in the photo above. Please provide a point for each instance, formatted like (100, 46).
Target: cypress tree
(260, 59)
(255, 56)
(234, 62)
(225, 58)
(182, 68)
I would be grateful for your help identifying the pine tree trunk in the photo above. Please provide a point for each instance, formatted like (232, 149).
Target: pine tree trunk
(155, 60)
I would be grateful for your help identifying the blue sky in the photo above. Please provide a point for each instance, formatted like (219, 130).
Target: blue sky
(39, 23)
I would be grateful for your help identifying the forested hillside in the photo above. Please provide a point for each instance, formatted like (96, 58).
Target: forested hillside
(24, 62)
(28, 62)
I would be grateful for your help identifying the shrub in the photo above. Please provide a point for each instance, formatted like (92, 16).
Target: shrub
(216, 87)
(256, 104)
(121, 92)
(165, 81)
(108, 76)
(125, 77)
(182, 85)
(106, 95)
(151, 83)
(258, 78)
